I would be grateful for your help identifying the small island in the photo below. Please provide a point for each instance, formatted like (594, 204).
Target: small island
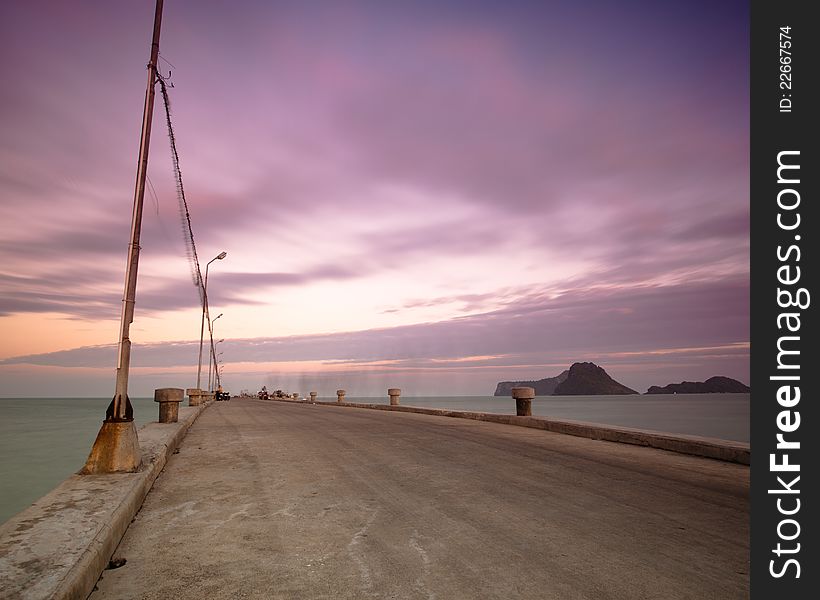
(713, 385)
(543, 387)
(581, 379)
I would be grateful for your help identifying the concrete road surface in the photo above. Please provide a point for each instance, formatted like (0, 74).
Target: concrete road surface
(276, 500)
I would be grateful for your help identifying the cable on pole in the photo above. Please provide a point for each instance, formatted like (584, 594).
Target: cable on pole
(184, 213)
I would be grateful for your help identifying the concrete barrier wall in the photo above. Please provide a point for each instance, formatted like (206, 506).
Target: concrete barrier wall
(58, 547)
(726, 450)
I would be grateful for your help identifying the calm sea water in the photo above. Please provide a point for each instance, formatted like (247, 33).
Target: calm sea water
(723, 416)
(44, 440)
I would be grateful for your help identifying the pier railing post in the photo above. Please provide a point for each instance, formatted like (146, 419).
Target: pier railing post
(394, 394)
(523, 400)
(169, 399)
(194, 396)
(340, 396)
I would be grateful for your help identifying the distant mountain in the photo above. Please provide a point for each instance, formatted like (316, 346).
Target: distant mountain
(581, 379)
(713, 385)
(588, 379)
(543, 387)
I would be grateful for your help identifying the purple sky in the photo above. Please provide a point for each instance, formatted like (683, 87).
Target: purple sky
(430, 195)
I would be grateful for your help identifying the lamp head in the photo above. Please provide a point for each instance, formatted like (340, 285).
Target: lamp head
(222, 255)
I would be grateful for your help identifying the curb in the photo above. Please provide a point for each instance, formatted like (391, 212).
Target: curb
(725, 450)
(59, 546)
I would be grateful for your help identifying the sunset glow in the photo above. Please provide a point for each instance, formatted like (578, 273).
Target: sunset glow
(434, 196)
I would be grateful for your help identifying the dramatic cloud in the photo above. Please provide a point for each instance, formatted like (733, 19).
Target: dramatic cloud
(618, 326)
(406, 182)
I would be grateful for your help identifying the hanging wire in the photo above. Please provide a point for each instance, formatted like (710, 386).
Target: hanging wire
(184, 213)
(168, 62)
(155, 197)
(153, 194)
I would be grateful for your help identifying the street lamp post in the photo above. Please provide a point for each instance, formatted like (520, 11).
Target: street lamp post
(205, 314)
(212, 357)
(219, 374)
(216, 355)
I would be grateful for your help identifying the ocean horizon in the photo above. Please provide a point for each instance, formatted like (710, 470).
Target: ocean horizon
(45, 440)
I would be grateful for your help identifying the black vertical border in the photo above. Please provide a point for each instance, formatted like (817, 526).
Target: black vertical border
(773, 131)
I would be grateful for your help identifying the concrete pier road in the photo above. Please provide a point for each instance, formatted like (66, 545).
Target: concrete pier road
(276, 500)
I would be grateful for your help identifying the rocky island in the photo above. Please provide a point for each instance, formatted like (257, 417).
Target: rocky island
(713, 385)
(581, 379)
(543, 387)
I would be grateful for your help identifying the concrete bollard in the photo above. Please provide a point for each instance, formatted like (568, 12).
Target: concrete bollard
(194, 396)
(340, 396)
(313, 396)
(169, 399)
(523, 400)
(394, 394)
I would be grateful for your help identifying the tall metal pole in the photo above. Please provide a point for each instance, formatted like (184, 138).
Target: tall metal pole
(117, 448)
(211, 354)
(205, 314)
(120, 408)
(202, 324)
(216, 355)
